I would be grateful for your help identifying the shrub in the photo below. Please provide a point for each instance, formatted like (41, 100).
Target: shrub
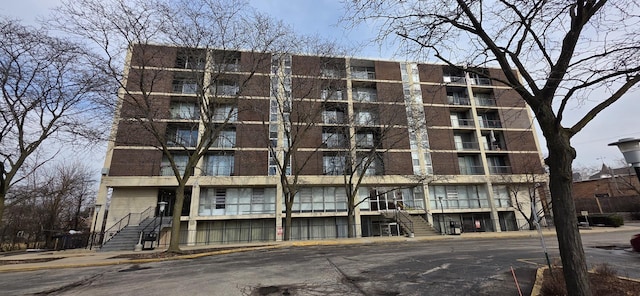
(613, 220)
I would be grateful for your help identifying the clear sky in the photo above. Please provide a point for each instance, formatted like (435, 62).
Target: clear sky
(322, 17)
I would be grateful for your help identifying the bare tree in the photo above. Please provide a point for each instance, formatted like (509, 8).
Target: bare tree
(524, 190)
(297, 110)
(49, 91)
(51, 201)
(552, 53)
(222, 45)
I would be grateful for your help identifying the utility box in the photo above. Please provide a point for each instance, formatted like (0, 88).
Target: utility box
(149, 240)
(455, 227)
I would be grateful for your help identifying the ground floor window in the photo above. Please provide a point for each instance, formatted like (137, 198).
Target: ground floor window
(235, 231)
(318, 228)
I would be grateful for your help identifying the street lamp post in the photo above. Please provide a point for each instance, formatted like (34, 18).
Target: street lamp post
(442, 230)
(630, 148)
(161, 206)
(95, 222)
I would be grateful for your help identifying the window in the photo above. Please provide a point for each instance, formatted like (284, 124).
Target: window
(363, 72)
(364, 140)
(458, 197)
(334, 140)
(331, 94)
(182, 136)
(218, 165)
(333, 164)
(461, 119)
(333, 116)
(365, 94)
(236, 201)
(469, 165)
(190, 60)
(226, 88)
(225, 139)
(498, 165)
(369, 165)
(490, 120)
(501, 196)
(365, 118)
(185, 86)
(457, 96)
(183, 110)
(181, 163)
(483, 99)
(329, 73)
(224, 112)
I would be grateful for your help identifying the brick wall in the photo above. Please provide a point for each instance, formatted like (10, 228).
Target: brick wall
(135, 163)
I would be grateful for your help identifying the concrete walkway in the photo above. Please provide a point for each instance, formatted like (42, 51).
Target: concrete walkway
(84, 258)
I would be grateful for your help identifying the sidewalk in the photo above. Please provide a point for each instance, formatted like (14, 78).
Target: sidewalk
(85, 258)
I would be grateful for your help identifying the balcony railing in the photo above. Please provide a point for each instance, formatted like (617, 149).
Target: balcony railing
(465, 123)
(467, 146)
(226, 67)
(227, 90)
(481, 81)
(471, 170)
(490, 123)
(363, 75)
(185, 88)
(454, 79)
(485, 102)
(459, 101)
(329, 94)
(499, 170)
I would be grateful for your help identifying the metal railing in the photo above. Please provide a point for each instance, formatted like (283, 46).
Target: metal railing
(454, 79)
(463, 122)
(405, 220)
(458, 101)
(499, 169)
(467, 146)
(126, 221)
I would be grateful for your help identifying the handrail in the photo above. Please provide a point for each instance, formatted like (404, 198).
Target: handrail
(121, 224)
(402, 221)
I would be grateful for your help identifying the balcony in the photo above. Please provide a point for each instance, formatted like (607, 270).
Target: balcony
(185, 87)
(462, 122)
(365, 94)
(485, 101)
(480, 81)
(454, 79)
(500, 170)
(331, 94)
(464, 146)
(456, 100)
(490, 123)
(471, 170)
(230, 67)
(227, 90)
(363, 73)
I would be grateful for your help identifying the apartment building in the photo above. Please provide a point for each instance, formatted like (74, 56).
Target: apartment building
(410, 139)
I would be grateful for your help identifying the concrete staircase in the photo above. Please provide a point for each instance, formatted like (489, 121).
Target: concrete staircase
(128, 237)
(411, 223)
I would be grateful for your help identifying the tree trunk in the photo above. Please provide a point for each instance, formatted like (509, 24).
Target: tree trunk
(351, 222)
(287, 221)
(560, 159)
(2, 200)
(174, 242)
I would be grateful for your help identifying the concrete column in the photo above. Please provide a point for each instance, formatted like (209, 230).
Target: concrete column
(495, 218)
(193, 213)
